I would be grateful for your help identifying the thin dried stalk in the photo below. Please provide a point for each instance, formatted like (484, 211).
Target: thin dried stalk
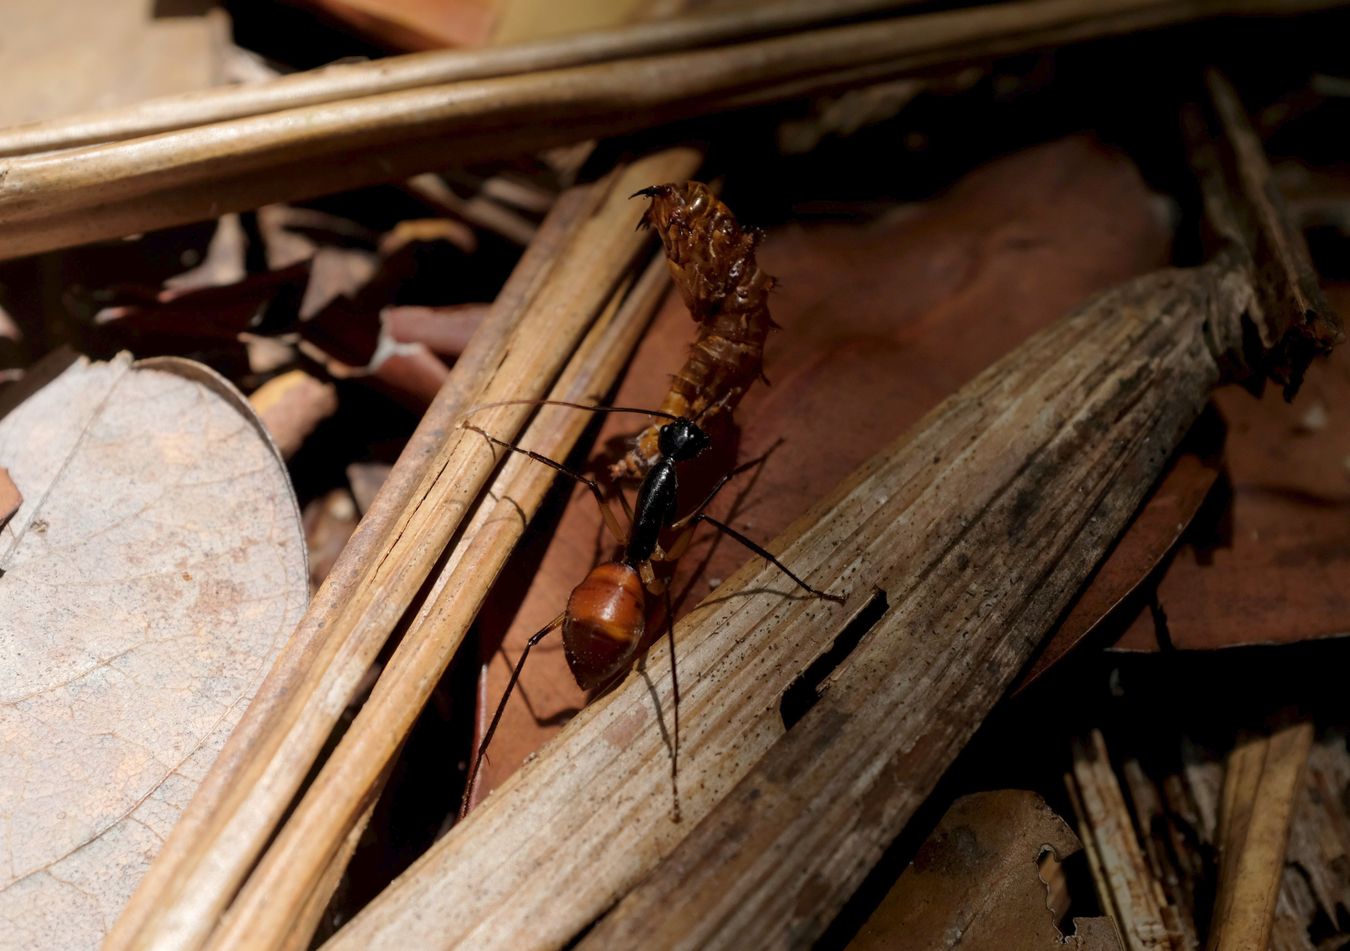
(299, 934)
(393, 74)
(978, 527)
(534, 327)
(47, 201)
(1261, 787)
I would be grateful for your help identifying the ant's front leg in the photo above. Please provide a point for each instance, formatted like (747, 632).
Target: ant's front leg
(608, 513)
(717, 487)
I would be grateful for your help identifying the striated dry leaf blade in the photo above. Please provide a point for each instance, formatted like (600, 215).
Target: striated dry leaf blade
(152, 573)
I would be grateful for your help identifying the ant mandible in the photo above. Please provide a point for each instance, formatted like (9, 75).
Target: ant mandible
(605, 617)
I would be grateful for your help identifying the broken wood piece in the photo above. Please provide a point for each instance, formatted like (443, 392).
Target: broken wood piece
(1262, 785)
(564, 279)
(974, 884)
(1125, 883)
(1244, 208)
(174, 177)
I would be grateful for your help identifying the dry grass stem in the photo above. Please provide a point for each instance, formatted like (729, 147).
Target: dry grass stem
(156, 181)
(394, 74)
(263, 913)
(1262, 785)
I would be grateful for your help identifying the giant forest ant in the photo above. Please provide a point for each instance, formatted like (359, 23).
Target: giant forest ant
(605, 617)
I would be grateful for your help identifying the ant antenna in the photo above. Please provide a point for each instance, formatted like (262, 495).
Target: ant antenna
(586, 406)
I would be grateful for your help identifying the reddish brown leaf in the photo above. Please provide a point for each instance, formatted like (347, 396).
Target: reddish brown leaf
(1155, 532)
(1271, 568)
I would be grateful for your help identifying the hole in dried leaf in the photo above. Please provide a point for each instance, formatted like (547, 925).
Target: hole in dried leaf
(1051, 873)
(802, 694)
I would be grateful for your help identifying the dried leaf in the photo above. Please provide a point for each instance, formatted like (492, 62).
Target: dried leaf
(291, 406)
(1271, 568)
(975, 883)
(147, 585)
(1155, 531)
(410, 25)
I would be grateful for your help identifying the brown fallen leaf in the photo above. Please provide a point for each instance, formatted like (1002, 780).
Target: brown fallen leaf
(1271, 568)
(412, 25)
(69, 56)
(1156, 530)
(146, 588)
(975, 883)
(444, 330)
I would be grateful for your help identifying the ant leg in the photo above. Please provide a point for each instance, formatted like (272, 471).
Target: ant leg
(675, 692)
(472, 780)
(591, 484)
(685, 525)
(763, 553)
(717, 487)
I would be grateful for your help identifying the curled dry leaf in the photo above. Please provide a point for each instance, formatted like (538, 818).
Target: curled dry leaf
(975, 883)
(292, 406)
(148, 581)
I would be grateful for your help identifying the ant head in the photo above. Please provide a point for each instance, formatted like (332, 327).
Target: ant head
(682, 440)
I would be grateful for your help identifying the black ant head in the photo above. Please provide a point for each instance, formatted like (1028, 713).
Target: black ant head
(682, 440)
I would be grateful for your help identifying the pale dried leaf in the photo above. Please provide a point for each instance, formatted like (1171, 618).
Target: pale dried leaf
(148, 581)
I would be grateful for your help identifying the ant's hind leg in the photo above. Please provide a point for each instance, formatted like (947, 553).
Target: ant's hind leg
(610, 519)
(472, 779)
(675, 716)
